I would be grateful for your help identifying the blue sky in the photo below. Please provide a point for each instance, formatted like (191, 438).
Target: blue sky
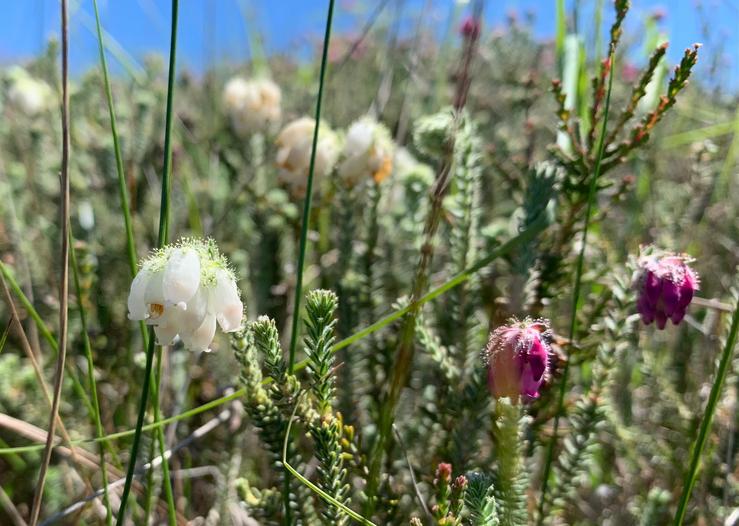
(217, 28)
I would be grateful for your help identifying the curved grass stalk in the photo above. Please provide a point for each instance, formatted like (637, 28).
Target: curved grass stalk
(536, 227)
(705, 426)
(592, 191)
(161, 241)
(325, 496)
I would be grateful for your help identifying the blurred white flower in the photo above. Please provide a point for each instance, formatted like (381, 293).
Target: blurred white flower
(27, 94)
(294, 144)
(253, 105)
(86, 215)
(185, 289)
(368, 152)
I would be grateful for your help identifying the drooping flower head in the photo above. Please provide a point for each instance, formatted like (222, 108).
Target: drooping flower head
(294, 145)
(253, 105)
(185, 289)
(367, 152)
(517, 355)
(27, 94)
(470, 28)
(665, 285)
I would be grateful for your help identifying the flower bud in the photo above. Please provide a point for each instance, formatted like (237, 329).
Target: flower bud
(253, 105)
(470, 28)
(186, 289)
(367, 152)
(294, 145)
(518, 358)
(665, 285)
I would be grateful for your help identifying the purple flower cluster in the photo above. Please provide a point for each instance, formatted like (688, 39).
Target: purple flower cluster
(665, 285)
(518, 358)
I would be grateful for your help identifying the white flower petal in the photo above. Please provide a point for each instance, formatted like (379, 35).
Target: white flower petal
(165, 333)
(190, 318)
(154, 292)
(181, 276)
(225, 304)
(201, 338)
(137, 309)
(231, 316)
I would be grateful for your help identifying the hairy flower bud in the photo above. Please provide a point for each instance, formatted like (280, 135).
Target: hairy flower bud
(368, 151)
(252, 105)
(186, 289)
(294, 145)
(665, 285)
(518, 358)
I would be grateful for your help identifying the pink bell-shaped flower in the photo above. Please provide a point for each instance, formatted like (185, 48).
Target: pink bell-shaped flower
(665, 285)
(518, 358)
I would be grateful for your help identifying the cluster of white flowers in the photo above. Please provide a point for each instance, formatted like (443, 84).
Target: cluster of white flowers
(184, 289)
(367, 152)
(28, 95)
(294, 145)
(253, 105)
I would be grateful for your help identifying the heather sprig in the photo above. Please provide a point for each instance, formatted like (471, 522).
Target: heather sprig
(479, 500)
(511, 480)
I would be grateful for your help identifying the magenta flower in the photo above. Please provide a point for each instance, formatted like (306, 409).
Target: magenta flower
(665, 284)
(518, 358)
(470, 28)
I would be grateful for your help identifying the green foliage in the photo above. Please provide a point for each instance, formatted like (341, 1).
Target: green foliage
(479, 500)
(634, 397)
(511, 481)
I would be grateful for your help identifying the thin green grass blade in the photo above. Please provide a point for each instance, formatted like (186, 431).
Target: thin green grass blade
(309, 192)
(592, 192)
(705, 426)
(561, 33)
(122, 190)
(5, 334)
(91, 379)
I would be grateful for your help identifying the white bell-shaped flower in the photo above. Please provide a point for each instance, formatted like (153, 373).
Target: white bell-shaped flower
(367, 152)
(294, 145)
(27, 94)
(253, 105)
(185, 290)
